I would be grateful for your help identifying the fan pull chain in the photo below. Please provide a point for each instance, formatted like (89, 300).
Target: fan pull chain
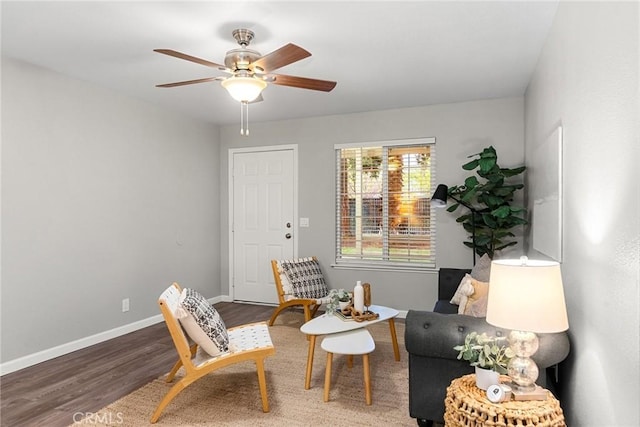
(244, 118)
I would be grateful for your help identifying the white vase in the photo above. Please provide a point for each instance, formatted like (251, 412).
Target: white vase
(486, 378)
(358, 297)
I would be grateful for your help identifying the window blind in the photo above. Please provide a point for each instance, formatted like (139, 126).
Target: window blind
(383, 211)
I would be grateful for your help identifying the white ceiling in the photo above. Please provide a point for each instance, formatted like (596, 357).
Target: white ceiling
(382, 54)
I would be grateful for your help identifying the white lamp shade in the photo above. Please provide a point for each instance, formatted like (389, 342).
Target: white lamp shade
(244, 89)
(527, 296)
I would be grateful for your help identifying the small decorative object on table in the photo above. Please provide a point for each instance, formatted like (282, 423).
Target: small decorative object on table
(490, 356)
(361, 316)
(351, 311)
(345, 313)
(498, 392)
(358, 297)
(367, 296)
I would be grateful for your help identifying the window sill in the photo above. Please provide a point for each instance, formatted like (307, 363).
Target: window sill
(378, 267)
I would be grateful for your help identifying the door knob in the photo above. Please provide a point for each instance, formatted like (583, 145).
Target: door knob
(288, 235)
(288, 225)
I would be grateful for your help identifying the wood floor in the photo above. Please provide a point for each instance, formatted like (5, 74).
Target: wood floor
(50, 393)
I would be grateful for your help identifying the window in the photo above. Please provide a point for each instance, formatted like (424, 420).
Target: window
(383, 209)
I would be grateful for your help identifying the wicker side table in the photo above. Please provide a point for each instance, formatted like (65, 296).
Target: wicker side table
(467, 406)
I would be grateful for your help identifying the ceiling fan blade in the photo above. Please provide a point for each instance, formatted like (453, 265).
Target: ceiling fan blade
(303, 82)
(286, 55)
(181, 55)
(190, 82)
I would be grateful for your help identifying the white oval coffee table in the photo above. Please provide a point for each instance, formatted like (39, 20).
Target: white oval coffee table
(326, 325)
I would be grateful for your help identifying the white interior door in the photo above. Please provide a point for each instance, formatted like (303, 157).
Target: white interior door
(262, 220)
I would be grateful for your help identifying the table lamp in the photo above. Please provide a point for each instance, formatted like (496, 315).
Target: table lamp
(527, 297)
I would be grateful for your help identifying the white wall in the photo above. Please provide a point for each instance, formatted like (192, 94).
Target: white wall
(587, 80)
(460, 129)
(103, 198)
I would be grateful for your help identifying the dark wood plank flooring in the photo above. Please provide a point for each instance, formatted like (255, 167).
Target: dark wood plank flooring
(50, 393)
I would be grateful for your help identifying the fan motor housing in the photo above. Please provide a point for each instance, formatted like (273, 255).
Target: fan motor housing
(240, 59)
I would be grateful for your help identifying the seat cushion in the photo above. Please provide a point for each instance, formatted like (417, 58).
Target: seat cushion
(305, 277)
(202, 322)
(250, 337)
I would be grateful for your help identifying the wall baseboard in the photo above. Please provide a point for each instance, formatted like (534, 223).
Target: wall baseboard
(61, 350)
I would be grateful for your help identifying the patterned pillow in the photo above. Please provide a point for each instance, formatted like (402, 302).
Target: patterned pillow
(202, 322)
(306, 277)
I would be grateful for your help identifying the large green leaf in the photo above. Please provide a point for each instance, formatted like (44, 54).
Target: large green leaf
(512, 172)
(463, 218)
(471, 165)
(493, 201)
(471, 182)
(489, 220)
(502, 211)
(469, 195)
(519, 221)
(503, 233)
(469, 228)
(496, 178)
(489, 152)
(506, 190)
(482, 240)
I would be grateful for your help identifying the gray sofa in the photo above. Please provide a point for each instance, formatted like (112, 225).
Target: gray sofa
(430, 338)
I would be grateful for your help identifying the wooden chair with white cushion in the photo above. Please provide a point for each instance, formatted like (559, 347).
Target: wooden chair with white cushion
(299, 282)
(245, 343)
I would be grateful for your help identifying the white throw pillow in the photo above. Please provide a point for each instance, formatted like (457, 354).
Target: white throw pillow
(465, 289)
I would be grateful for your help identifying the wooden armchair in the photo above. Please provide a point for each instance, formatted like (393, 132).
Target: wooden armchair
(287, 294)
(246, 342)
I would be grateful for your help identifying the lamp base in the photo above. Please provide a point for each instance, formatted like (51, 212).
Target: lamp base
(538, 393)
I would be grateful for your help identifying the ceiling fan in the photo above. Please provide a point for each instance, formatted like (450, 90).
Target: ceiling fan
(250, 72)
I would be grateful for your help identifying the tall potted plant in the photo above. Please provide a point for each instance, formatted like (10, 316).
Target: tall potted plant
(490, 192)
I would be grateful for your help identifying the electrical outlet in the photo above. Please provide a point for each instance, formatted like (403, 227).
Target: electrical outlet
(125, 305)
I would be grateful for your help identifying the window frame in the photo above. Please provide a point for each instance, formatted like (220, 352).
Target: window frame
(382, 264)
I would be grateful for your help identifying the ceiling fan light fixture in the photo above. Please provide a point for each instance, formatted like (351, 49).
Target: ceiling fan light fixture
(251, 72)
(244, 89)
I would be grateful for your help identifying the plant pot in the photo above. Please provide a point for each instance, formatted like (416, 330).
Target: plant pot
(486, 378)
(343, 304)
